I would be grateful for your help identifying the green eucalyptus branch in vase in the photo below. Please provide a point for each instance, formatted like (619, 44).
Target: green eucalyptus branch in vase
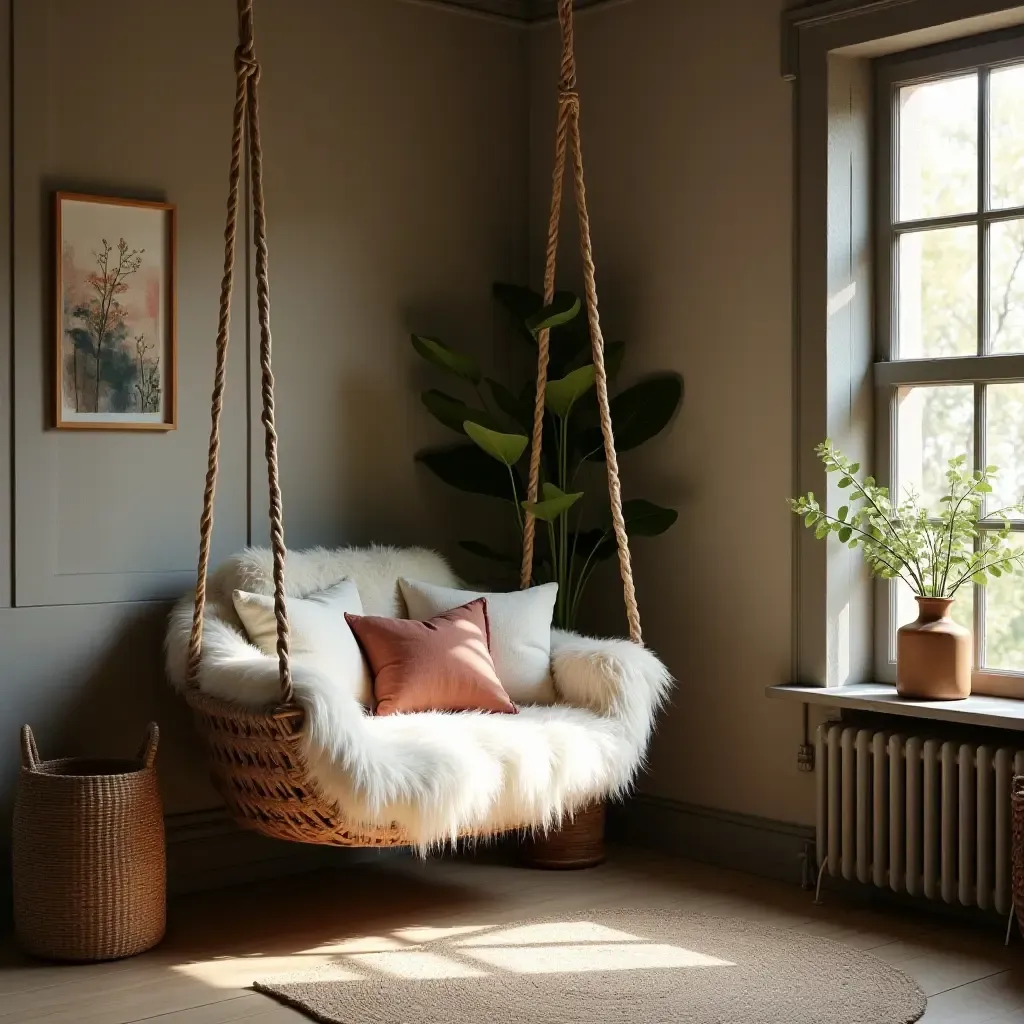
(574, 535)
(936, 553)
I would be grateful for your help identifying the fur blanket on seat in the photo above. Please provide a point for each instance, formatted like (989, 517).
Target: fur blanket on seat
(435, 774)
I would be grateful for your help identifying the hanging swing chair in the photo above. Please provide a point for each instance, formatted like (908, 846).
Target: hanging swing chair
(297, 761)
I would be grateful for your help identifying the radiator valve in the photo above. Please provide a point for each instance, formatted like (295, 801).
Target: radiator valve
(805, 757)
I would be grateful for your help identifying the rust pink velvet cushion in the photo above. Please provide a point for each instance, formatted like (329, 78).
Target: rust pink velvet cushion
(442, 664)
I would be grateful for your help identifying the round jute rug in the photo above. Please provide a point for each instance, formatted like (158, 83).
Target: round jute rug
(602, 967)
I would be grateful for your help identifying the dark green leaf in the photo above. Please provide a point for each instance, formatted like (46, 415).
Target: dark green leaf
(564, 307)
(845, 534)
(595, 541)
(521, 303)
(447, 358)
(645, 519)
(467, 468)
(474, 547)
(614, 355)
(556, 503)
(845, 482)
(506, 448)
(561, 395)
(638, 413)
(511, 406)
(453, 412)
(843, 513)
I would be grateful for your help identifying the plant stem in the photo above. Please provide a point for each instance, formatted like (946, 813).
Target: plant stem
(515, 500)
(563, 520)
(554, 572)
(861, 493)
(1019, 559)
(899, 561)
(952, 523)
(584, 575)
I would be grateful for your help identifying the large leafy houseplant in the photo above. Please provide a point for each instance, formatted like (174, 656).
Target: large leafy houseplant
(497, 422)
(935, 554)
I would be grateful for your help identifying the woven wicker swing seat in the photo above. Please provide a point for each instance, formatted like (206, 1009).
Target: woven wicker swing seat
(261, 754)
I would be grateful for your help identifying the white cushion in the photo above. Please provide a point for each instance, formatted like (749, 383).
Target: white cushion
(320, 637)
(520, 632)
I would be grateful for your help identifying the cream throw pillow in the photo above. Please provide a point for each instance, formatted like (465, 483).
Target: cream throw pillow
(520, 632)
(320, 636)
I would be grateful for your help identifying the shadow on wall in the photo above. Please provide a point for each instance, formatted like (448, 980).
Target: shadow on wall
(119, 686)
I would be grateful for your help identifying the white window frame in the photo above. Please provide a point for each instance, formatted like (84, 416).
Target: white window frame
(983, 368)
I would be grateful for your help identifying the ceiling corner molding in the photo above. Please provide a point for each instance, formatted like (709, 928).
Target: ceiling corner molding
(509, 10)
(540, 10)
(797, 20)
(525, 11)
(885, 18)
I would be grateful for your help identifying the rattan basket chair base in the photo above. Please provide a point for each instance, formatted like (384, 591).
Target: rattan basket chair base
(258, 765)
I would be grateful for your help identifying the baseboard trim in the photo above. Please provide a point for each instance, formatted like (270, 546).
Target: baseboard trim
(742, 842)
(208, 850)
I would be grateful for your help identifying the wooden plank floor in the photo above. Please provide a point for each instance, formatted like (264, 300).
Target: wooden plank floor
(217, 943)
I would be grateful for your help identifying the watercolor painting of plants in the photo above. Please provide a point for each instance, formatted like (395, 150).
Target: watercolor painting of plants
(115, 313)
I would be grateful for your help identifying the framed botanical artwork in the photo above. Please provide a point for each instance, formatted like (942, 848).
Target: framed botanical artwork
(116, 362)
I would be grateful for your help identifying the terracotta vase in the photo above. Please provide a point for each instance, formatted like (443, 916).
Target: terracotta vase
(934, 654)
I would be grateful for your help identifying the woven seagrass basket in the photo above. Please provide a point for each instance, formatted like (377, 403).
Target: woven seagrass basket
(577, 843)
(89, 860)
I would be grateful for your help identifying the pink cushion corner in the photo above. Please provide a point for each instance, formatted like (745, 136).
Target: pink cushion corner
(441, 664)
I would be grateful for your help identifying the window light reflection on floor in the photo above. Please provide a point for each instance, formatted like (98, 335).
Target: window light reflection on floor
(468, 951)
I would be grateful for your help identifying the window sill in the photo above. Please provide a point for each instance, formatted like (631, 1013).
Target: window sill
(993, 712)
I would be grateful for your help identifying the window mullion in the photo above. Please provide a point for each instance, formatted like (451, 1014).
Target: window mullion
(983, 228)
(984, 333)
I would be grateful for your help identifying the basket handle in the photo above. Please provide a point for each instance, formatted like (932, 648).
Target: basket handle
(147, 752)
(29, 751)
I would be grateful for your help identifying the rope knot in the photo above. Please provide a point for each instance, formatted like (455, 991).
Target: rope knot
(568, 98)
(246, 63)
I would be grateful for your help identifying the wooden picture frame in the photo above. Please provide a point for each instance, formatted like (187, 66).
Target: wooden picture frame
(116, 365)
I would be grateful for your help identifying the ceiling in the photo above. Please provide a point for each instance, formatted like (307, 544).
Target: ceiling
(520, 10)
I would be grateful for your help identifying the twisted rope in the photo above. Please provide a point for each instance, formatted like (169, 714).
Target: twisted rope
(246, 116)
(567, 137)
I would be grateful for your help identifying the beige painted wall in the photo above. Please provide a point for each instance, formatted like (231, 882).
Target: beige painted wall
(399, 184)
(687, 142)
(396, 189)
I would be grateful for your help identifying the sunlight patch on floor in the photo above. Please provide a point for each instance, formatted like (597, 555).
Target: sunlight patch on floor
(417, 965)
(240, 972)
(551, 932)
(550, 947)
(362, 944)
(429, 934)
(595, 957)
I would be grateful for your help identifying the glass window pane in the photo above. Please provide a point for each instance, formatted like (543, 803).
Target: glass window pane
(1004, 446)
(1004, 624)
(937, 293)
(933, 425)
(938, 148)
(1006, 147)
(1006, 287)
(906, 609)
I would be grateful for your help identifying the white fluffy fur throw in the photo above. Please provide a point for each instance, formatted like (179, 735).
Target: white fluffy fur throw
(435, 774)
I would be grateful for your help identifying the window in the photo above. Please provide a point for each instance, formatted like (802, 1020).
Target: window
(950, 325)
